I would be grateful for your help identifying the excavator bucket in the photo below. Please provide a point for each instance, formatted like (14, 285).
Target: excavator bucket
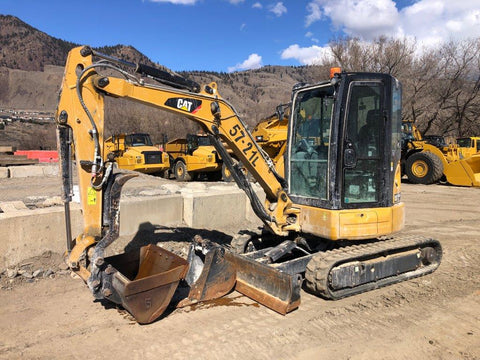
(464, 172)
(214, 272)
(144, 281)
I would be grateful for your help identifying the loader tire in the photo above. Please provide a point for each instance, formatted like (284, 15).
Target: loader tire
(181, 173)
(424, 168)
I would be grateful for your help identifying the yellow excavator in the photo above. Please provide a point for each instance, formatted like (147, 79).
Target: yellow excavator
(271, 135)
(329, 221)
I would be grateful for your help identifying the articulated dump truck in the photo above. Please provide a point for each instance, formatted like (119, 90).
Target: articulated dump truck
(193, 156)
(136, 152)
(330, 221)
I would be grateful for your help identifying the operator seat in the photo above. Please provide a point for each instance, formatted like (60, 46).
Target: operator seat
(369, 134)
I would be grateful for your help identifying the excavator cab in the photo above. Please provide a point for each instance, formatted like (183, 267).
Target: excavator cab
(344, 145)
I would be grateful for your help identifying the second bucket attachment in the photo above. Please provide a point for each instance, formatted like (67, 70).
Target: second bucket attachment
(143, 281)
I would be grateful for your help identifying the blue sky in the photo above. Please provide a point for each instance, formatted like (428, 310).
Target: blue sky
(229, 35)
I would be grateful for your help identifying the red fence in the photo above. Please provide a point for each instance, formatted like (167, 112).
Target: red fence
(43, 156)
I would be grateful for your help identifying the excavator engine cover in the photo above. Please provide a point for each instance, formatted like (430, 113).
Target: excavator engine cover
(144, 280)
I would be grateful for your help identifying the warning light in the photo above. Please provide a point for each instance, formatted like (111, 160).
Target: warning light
(334, 70)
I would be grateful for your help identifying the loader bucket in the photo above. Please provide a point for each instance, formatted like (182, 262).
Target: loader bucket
(465, 172)
(144, 280)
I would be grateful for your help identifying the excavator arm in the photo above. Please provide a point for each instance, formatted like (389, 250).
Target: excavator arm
(81, 108)
(80, 132)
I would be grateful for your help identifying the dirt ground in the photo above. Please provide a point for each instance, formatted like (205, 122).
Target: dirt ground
(433, 317)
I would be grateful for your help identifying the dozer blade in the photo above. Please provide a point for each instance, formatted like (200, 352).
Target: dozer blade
(270, 287)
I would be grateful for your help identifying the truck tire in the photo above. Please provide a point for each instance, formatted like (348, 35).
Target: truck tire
(423, 168)
(181, 173)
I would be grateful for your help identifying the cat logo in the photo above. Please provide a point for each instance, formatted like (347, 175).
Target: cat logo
(184, 104)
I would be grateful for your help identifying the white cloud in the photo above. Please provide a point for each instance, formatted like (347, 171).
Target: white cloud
(432, 22)
(257, 5)
(177, 2)
(278, 9)
(428, 21)
(307, 55)
(254, 61)
(243, 26)
(314, 13)
(367, 19)
(309, 35)
(235, 1)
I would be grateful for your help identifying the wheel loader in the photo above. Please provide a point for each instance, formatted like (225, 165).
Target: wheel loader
(330, 222)
(425, 162)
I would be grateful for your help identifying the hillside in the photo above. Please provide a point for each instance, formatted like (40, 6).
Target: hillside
(31, 68)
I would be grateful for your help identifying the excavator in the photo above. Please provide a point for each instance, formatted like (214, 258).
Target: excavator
(330, 221)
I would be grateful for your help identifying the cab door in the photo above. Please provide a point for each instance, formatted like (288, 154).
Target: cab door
(365, 151)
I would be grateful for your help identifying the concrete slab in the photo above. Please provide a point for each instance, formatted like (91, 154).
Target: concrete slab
(159, 210)
(51, 170)
(25, 171)
(4, 173)
(29, 233)
(26, 233)
(12, 206)
(214, 211)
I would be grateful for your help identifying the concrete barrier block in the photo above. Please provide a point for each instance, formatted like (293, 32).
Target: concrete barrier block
(29, 233)
(12, 206)
(51, 170)
(4, 173)
(158, 210)
(25, 171)
(213, 211)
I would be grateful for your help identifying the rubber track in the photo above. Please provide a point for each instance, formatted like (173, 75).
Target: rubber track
(319, 267)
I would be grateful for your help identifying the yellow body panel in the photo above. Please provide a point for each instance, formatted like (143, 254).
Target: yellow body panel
(353, 224)
(203, 159)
